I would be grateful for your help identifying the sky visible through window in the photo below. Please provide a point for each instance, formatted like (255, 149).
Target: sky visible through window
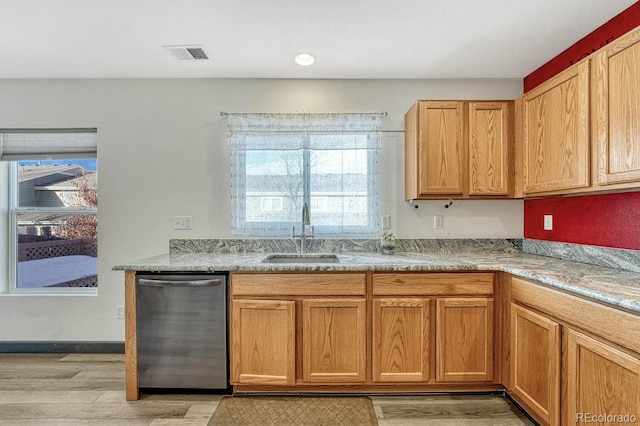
(91, 165)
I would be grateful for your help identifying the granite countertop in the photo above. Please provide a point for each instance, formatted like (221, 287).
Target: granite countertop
(615, 287)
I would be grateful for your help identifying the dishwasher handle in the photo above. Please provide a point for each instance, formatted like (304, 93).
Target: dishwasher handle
(178, 283)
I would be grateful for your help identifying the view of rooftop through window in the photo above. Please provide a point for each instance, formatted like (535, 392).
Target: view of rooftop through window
(55, 219)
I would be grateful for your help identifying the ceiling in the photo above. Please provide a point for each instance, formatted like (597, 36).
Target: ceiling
(376, 39)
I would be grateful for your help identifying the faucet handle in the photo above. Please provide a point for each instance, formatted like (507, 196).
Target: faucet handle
(312, 232)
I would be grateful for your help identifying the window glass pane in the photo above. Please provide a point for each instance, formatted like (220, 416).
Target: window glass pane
(57, 250)
(274, 186)
(339, 188)
(60, 183)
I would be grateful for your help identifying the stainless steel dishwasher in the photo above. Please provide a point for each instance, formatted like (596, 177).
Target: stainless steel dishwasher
(182, 331)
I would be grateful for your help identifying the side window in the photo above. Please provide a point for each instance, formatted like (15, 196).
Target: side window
(54, 224)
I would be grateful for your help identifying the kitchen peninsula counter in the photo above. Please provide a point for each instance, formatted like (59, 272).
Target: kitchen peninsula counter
(615, 287)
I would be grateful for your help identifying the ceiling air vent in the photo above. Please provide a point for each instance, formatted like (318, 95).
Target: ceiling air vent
(187, 53)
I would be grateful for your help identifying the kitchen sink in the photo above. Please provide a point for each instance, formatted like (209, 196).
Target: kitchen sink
(301, 258)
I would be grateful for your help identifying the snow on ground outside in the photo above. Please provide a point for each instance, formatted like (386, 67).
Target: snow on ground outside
(55, 270)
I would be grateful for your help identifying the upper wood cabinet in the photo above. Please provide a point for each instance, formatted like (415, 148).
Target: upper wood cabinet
(580, 130)
(490, 148)
(555, 126)
(616, 112)
(435, 149)
(458, 149)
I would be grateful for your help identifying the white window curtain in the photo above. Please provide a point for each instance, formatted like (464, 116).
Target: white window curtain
(281, 161)
(47, 144)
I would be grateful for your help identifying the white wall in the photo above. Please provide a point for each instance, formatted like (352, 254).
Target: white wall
(162, 151)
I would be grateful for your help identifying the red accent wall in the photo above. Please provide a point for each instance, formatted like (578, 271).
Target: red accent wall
(614, 28)
(611, 220)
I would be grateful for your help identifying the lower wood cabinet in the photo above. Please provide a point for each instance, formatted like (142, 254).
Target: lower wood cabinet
(603, 383)
(535, 363)
(464, 339)
(567, 360)
(401, 340)
(455, 344)
(317, 329)
(597, 376)
(296, 329)
(263, 343)
(334, 340)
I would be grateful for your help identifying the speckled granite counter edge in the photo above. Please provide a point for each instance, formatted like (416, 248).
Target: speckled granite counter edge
(604, 295)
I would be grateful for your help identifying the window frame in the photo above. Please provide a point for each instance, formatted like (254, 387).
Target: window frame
(14, 211)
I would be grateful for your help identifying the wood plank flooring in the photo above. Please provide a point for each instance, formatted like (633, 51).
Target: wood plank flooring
(88, 389)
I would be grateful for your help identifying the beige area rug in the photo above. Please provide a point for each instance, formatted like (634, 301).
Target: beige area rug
(294, 411)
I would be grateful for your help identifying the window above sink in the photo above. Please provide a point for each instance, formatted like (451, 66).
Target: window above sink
(281, 161)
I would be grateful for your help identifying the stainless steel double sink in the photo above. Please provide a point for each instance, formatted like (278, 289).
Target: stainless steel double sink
(301, 258)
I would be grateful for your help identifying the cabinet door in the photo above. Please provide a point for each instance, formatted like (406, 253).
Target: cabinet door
(334, 336)
(556, 133)
(400, 340)
(441, 148)
(464, 340)
(490, 136)
(601, 381)
(535, 362)
(263, 342)
(616, 112)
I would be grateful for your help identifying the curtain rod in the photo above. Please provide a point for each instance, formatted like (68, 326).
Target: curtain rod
(224, 114)
(321, 131)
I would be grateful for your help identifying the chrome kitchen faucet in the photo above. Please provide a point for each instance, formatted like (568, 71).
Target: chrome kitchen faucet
(303, 235)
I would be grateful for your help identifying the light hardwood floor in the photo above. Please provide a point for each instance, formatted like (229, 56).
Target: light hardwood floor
(88, 389)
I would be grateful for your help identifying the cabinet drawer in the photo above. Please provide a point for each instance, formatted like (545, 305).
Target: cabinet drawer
(426, 284)
(312, 284)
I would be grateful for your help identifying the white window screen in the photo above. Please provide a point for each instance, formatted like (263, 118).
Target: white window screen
(329, 161)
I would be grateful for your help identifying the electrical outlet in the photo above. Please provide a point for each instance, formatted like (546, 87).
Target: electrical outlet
(437, 222)
(119, 312)
(548, 222)
(386, 222)
(182, 222)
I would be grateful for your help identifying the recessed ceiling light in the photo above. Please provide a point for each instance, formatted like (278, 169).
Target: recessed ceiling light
(304, 59)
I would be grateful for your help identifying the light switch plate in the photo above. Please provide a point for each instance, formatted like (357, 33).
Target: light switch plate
(548, 222)
(386, 222)
(437, 222)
